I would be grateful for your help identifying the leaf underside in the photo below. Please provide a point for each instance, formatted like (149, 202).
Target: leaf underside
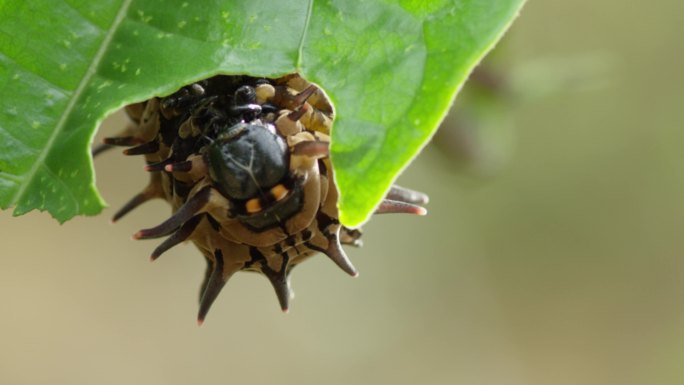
(392, 69)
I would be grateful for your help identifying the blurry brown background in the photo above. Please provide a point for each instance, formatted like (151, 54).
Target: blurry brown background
(565, 265)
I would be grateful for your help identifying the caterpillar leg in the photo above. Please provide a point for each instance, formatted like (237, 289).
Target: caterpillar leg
(188, 210)
(388, 206)
(207, 275)
(124, 139)
(153, 190)
(402, 194)
(327, 241)
(135, 112)
(225, 260)
(401, 200)
(313, 149)
(100, 148)
(276, 267)
(213, 285)
(281, 283)
(181, 235)
(143, 149)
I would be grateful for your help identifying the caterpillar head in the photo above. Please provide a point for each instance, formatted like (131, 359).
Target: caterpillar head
(249, 164)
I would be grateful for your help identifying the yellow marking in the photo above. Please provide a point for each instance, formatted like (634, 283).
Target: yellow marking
(279, 192)
(253, 206)
(264, 92)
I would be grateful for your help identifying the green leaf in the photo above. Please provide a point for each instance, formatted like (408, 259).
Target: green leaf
(392, 69)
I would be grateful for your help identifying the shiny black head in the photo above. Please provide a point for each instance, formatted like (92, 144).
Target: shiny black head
(249, 164)
(247, 160)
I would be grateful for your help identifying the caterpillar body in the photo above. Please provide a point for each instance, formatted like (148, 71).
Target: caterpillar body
(244, 163)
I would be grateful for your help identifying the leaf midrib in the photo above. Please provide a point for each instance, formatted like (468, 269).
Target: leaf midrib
(302, 40)
(59, 127)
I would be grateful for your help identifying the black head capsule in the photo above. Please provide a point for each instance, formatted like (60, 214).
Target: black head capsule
(245, 95)
(247, 160)
(245, 103)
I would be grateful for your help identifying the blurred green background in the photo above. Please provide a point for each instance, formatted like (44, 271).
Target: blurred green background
(553, 256)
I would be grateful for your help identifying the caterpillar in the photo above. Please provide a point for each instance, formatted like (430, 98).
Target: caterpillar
(244, 163)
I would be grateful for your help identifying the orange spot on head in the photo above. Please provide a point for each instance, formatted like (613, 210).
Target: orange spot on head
(253, 206)
(279, 192)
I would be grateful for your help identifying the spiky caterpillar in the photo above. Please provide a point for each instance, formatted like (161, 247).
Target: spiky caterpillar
(244, 164)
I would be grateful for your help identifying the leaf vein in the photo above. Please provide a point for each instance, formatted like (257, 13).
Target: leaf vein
(11, 177)
(17, 140)
(90, 72)
(302, 40)
(66, 187)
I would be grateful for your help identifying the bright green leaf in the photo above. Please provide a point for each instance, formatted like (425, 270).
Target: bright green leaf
(392, 69)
